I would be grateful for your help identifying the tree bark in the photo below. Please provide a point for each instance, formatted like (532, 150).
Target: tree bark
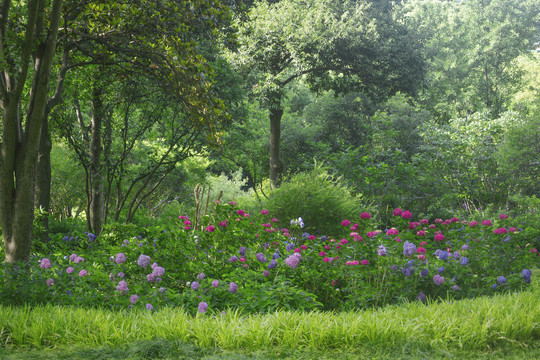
(96, 199)
(276, 166)
(18, 148)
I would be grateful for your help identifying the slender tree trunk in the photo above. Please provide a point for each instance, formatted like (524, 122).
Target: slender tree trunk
(42, 194)
(96, 199)
(276, 167)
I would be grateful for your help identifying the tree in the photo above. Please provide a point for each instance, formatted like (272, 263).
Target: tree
(28, 38)
(104, 32)
(344, 45)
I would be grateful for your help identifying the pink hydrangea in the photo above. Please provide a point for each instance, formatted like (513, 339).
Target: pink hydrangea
(210, 228)
(487, 222)
(364, 262)
(312, 237)
(326, 259)
(354, 227)
(264, 212)
(397, 212)
(473, 223)
(500, 231)
(454, 219)
(424, 221)
(344, 241)
(406, 214)
(274, 220)
(371, 234)
(439, 237)
(438, 221)
(45, 263)
(392, 231)
(421, 250)
(345, 223)
(503, 216)
(421, 233)
(512, 229)
(292, 261)
(365, 216)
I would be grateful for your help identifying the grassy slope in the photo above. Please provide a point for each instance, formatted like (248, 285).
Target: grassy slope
(498, 327)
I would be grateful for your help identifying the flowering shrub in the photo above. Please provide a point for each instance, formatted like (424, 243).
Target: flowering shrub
(260, 263)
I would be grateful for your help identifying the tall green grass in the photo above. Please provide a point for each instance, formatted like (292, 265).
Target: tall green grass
(474, 324)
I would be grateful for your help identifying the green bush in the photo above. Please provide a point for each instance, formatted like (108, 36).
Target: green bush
(321, 199)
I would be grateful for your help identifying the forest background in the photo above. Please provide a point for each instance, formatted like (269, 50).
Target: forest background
(431, 106)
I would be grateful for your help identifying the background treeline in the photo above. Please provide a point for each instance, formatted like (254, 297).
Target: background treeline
(428, 105)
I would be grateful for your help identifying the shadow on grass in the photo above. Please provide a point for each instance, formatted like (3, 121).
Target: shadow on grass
(162, 349)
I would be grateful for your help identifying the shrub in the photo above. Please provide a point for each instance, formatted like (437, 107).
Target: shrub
(321, 199)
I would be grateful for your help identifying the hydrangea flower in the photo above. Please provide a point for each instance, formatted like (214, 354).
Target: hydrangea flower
(406, 214)
(149, 307)
(122, 286)
(215, 283)
(70, 270)
(83, 273)
(382, 250)
(133, 299)
(203, 307)
(292, 261)
(120, 258)
(50, 282)
(438, 279)
(464, 261)
(421, 297)
(233, 288)
(158, 272)
(264, 212)
(345, 222)
(487, 222)
(195, 285)
(266, 273)
(143, 261)
(45, 263)
(392, 231)
(397, 212)
(233, 259)
(439, 237)
(242, 251)
(501, 280)
(408, 248)
(365, 216)
(201, 276)
(210, 228)
(424, 273)
(443, 255)
(272, 265)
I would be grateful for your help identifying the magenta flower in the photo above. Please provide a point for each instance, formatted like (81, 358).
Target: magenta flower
(439, 237)
(210, 228)
(397, 212)
(392, 231)
(240, 212)
(364, 262)
(120, 258)
(354, 227)
(345, 223)
(473, 223)
(312, 237)
(326, 259)
(274, 220)
(438, 221)
(421, 250)
(406, 214)
(424, 221)
(503, 216)
(264, 212)
(371, 234)
(500, 231)
(222, 224)
(322, 253)
(487, 222)
(421, 233)
(365, 216)
(454, 219)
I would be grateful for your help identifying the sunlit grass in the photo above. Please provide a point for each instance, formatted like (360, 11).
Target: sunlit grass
(474, 324)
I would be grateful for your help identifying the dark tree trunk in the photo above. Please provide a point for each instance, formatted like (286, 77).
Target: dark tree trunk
(96, 199)
(19, 147)
(276, 167)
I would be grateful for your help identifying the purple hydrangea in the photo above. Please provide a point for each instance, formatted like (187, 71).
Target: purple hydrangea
(275, 256)
(203, 307)
(70, 270)
(407, 271)
(143, 261)
(50, 282)
(195, 285)
(441, 270)
(133, 299)
(242, 251)
(272, 265)
(421, 297)
(150, 278)
(122, 286)
(233, 288)
(292, 261)
(266, 273)
(162, 290)
(45, 264)
(289, 247)
(83, 273)
(408, 248)
(233, 259)
(382, 250)
(120, 258)
(201, 276)
(438, 279)
(261, 258)
(215, 283)
(158, 272)
(424, 273)
(149, 307)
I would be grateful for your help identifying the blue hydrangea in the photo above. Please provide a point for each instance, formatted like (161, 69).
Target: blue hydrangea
(501, 280)
(272, 265)
(494, 286)
(443, 255)
(275, 256)
(408, 248)
(407, 271)
(464, 261)
(424, 273)
(289, 247)
(441, 270)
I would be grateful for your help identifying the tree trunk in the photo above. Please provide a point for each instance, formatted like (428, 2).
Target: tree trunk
(276, 167)
(96, 199)
(18, 148)
(42, 194)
